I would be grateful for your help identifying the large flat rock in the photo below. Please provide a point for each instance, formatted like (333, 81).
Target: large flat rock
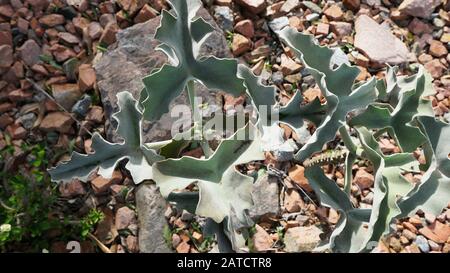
(122, 68)
(378, 43)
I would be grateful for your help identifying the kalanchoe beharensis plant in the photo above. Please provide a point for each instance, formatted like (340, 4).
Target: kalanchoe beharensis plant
(396, 106)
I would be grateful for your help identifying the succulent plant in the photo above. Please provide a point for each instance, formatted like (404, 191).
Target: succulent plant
(396, 106)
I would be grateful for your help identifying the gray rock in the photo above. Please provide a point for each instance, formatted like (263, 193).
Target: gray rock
(28, 120)
(81, 107)
(150, 206)
(372, 3)
(422, 243)
(70, 69)
(277, 78)
(265, 196)
(312, 6)
(312, 17)
(378, 43)
(278, 23)
(224, 17)
(29, 52)
(302, 239)
(133, 57)
(186, 216)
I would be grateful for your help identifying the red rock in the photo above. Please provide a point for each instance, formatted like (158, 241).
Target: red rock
(52, 20)
(66, 94)
(101, 185)
(297, 174)
(334, 12)
(86, 78)
(68, 38)
(352, 4)
(289, 66)
(132, 244)
(363, 179)
(424, 58)
(322, 29)
(413, 248)
(261, 239)
(124, 218)
(418, 27)
(311, 94)
(427, 232)
(22, 25)
(145, 14)
(57, 121)
(296, 22)
(341, 28)
(116, 189)
(183, 247)
(16, 131)
(95, 114)
(6, 56)
(40, 69)
(254, 6)
(226, 3)
(72, 189)
(95, 30)
(131, 6)
(5, 120)
(5, 38)
(5, 107)
(441, 230)
(80, 23)
(19, 95)
(105, 19)
(435, 68)
(109, 33)
(240, 44)
(245, 27)
(7, 11)
(30, 52)
(437, 49)
(293, 202)
(38, 5)
(62, 53)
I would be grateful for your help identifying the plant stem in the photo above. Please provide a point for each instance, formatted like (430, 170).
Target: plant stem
(347, 140)
(207, 151)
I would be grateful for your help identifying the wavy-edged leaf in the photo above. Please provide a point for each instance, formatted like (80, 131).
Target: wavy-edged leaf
(221, 186)
(432, 193)
(336, 86)
(400, 122)
(107, 155)
(182, 36)
(389, 185)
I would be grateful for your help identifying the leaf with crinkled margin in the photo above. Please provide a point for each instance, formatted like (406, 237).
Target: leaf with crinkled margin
(107, 155)
(336, 86)
(221, 186)
(389, 185)
(350, 233)
(400, 122)
(182, 36)
(432, 193)
(291, 114)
